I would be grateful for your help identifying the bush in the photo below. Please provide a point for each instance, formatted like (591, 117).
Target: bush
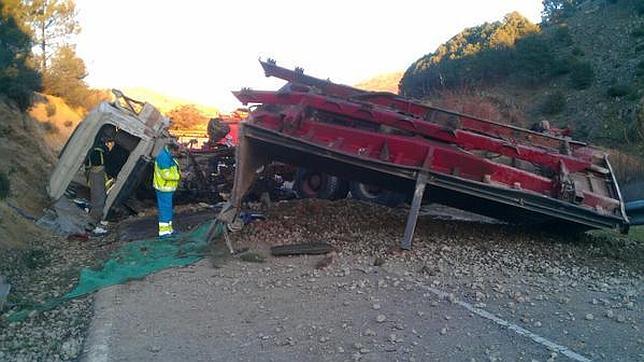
(50, 127)
(554, 103)
(639, 71)
(5, 186)
(576, 51)
(68, 124)
(582, 75)
(638, 33)
(640, 8)
(562, 35)
(562, 66)
(619, 90)
(639, 48)
(51, 109)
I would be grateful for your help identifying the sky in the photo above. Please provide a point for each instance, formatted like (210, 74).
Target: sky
(202, 50)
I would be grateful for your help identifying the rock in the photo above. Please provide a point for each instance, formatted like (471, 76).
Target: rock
(610, 314)
(323, 339)
(381, 318)
(369, 333)
(537, 324)
(376, 306)
(590, 317)
(443, 331)
(621, 318)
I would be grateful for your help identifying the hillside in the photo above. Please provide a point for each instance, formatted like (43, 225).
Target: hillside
(387, 82)
(166, 103)
(585, 71)
(57, 118)
(26, 161)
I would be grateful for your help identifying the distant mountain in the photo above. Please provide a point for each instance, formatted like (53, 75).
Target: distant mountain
(166, 103)
(387, 82)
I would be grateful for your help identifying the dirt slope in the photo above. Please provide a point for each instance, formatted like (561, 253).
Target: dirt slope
(387, 82)
(27, 160)
(56, 117)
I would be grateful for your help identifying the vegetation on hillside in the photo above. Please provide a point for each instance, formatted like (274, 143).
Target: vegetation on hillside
(17, 80)
(484, 53)
(583, 67)
(47, 27)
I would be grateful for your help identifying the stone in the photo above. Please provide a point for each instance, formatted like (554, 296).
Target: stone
(381, 318)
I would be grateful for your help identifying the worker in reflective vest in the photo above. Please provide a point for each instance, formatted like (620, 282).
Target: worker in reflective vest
(165, 182)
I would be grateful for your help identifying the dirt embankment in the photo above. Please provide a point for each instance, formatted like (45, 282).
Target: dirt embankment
(57, 119)
(26, 159)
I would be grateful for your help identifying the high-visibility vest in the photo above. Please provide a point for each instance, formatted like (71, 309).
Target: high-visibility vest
(166, 179)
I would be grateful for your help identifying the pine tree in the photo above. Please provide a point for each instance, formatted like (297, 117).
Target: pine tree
(64, 77)
(17, 80)
(53, 23)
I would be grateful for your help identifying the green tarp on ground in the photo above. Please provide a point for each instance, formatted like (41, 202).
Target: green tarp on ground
(135, 260)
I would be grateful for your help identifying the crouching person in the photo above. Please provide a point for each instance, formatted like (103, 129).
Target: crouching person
(165, 182)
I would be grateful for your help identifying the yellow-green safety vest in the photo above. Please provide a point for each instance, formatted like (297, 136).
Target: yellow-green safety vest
(166, 179)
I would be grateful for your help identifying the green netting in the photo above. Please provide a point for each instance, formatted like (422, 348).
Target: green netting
(135, 260)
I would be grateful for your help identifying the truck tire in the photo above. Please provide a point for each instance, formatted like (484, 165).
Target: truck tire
(376, 194)
(314, 184)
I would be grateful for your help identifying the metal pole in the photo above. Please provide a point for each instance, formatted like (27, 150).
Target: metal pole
(421, 182)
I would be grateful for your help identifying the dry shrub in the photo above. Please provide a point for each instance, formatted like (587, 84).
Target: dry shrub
(629, 171)
(51, 109)
(50, 127)
(494, 108)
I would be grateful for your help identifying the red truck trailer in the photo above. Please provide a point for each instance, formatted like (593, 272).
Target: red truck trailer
(434, 154)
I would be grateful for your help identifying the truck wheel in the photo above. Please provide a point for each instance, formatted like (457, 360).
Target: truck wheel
(376, 194)
(315, 184)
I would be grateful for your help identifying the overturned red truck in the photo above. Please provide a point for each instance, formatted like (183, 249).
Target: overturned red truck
(433, 154)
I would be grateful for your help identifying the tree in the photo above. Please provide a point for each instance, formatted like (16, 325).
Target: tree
(52, 22)
(554, 10)
(65, 77)
(187, 117)
(17, 80)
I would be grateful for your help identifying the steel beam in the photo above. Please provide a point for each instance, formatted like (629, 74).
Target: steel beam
(412, 218)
